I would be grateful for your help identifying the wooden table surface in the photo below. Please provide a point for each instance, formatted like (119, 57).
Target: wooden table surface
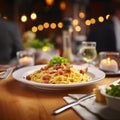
(21, 102)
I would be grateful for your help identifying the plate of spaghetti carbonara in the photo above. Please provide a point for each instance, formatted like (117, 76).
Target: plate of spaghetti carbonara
(58, 77)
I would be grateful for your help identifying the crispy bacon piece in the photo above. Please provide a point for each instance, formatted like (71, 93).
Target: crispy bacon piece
(28, 77)
(83, 70)
(46, 77)
(60, 71)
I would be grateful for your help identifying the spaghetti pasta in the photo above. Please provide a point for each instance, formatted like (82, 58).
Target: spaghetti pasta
(63, 73)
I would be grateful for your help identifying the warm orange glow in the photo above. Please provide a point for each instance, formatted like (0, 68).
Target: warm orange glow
(40, 27)
(108, 60)
(62, 5)
(78, 28)
(82, 15)
(60, 25)
(49, 2)
(34, 29)
(100, 19)
(87, 22)
(26, 60)
(53, 25)
(75, 22)
(93, 21)
(5, 17)
(46, 25)
(107, 16)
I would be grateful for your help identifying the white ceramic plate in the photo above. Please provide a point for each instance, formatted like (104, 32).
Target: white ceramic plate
(20, 74)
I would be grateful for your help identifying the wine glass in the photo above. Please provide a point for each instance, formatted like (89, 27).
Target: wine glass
(88, 51)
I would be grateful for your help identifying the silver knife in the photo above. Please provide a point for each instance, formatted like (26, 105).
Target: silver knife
(69, 105)
(7, 73)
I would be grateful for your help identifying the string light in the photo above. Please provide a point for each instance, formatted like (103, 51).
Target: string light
(34, 29)
(60, 25)
(100, 19)
(107, 16)
(46, 25)
(78, 28)
(87, 22)
(93, 21)
(33, 16)
(24, 18)
(53, 25)
(40, 27)
(82, 15)
(75, 22)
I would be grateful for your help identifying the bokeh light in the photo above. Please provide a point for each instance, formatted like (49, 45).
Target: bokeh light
(62, 5)
(23, 18)
(60, 25)
(100, 19)
(46, 25)
(33, 16)
(49, 2)
(87, 22)
(52, 25)
(34, 29)
(75, 22)
(40, 27)
(82, 15)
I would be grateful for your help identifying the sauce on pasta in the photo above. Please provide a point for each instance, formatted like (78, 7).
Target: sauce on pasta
(63, 73)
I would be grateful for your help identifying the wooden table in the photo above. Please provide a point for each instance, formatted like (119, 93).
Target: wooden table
(21, 102)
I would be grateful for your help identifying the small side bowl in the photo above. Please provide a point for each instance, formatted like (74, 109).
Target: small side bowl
(112, 102)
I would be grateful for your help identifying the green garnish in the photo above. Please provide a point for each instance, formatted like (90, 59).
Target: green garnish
(114, 90)
(57, 60)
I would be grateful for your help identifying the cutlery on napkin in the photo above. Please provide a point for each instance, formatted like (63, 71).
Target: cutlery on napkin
(69, 105)
(89, 109)
(6, 73)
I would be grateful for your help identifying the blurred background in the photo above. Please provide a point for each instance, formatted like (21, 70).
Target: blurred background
(42, 19)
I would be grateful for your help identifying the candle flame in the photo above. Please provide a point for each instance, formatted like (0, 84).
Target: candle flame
(25, 58)
(108, 60)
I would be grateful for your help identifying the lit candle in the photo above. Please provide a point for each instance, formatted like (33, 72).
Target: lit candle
(109, 65)
(26, 60)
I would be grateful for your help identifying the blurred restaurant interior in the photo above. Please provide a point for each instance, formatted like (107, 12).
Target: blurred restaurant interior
(44, 17)
(36, 79)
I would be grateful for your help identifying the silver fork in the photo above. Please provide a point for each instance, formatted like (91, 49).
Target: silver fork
(69, 105)
(7, 73)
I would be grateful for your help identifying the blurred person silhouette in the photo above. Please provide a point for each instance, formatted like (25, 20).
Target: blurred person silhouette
(107, 34)
(10, 41)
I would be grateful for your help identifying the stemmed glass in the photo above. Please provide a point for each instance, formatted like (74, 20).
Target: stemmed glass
(88, 51)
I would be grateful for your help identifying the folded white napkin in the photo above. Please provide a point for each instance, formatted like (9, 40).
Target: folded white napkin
(91, 110)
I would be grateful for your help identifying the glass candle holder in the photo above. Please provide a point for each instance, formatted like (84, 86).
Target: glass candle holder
(109, 61)
(25, 57)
